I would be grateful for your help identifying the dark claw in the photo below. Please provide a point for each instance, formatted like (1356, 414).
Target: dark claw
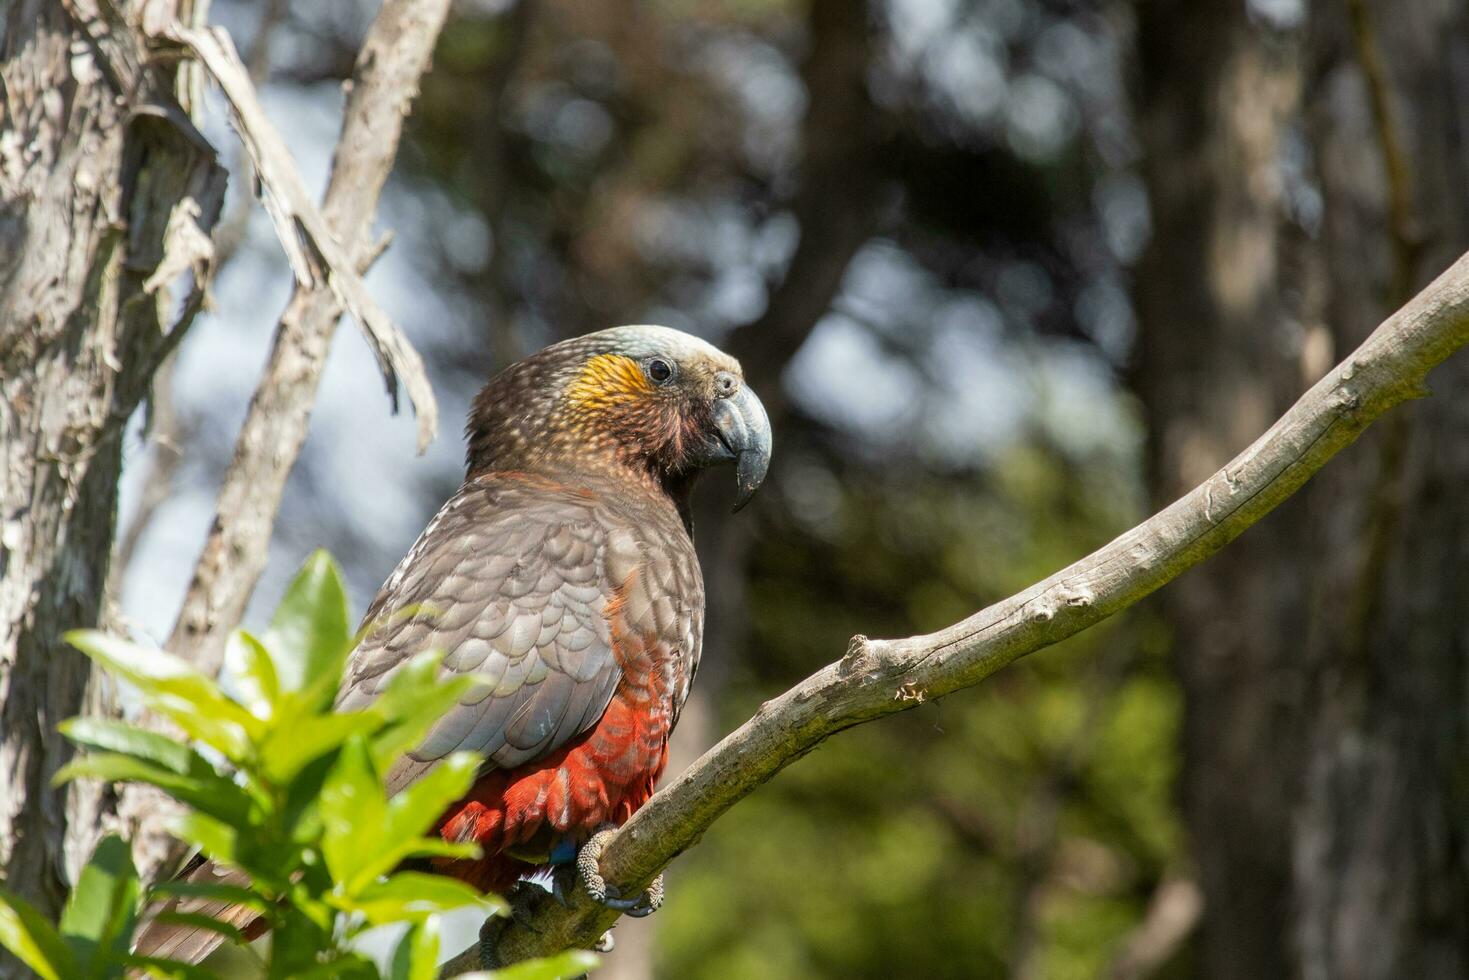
(635, 907)
(643, 908)
(563, 881)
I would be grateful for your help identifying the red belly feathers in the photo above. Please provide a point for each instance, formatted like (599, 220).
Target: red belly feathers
(517, 816)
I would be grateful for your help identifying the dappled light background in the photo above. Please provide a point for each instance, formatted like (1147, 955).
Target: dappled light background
(914, 223)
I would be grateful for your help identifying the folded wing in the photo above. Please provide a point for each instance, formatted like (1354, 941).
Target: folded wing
(512, 583)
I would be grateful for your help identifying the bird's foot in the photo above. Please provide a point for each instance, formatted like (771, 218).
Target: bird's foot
(587, 871)
(522, 897)
(489, 942)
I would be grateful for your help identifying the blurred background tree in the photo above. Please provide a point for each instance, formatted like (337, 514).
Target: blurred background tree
(1307, 176)
(925, 226)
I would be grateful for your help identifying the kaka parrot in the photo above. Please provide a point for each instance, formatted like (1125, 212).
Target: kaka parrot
(563, 572)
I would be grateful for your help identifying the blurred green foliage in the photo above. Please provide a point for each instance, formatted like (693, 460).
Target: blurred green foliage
(1018, 829)
(281, 786)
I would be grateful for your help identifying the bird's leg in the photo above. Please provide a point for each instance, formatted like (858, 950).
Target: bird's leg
(522, 898)
(589, 872)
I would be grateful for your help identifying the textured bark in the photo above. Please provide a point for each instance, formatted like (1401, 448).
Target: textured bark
(881, 677)
(110, 195)
(1380, 857)
(1323, 659)
(107, 194)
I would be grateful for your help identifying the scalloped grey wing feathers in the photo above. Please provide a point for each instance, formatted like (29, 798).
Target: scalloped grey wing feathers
(512, 583)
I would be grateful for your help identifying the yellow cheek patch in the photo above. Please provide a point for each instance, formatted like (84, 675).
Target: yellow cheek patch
(608, 380)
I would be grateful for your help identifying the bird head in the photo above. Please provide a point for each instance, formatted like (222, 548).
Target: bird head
(651, 401)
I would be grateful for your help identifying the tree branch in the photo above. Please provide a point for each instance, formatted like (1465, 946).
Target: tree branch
(313, 246)
(880, 677)
(235, 224)
(394, 56)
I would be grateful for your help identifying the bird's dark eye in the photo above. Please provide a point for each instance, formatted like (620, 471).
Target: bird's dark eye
(660, 371)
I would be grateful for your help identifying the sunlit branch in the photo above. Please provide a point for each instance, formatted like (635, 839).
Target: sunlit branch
(881, 677)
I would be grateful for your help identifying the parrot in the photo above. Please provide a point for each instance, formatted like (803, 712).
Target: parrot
(562, 573)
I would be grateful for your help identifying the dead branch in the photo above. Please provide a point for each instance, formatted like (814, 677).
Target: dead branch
(328, 250)
(312, 246)
(333, 247)
(880, 677)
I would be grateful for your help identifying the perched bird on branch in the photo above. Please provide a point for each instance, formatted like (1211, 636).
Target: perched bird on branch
(563, 572)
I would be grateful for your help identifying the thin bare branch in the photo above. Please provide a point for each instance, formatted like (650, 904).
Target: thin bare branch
(313, 248)
(233, 227)
(880, 677)
(394, 56)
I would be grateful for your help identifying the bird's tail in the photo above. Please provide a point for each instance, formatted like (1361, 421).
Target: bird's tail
(177, 940)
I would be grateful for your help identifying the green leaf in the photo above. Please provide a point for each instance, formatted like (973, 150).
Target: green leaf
(33, 940)
(419, 806)
(300, 811)
(366, 835)
(221, 732)
(249, 663)
(158, 966)
(194, 781)
(414, 699)
(97, 923)
(217, 797)
(417, 954)
(351, 966)
(297, 946)
(418, 678)
(176, 690)
(413, 895)
(112, 735)
(563, 966)
(353, 812)
(309, 636)
(434, 847)
(216, 839)
(291, 747)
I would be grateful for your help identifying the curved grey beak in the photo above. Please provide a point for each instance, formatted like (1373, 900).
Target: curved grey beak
(742, 431)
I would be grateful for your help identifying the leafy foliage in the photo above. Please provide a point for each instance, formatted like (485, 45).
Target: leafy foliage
(281, 786)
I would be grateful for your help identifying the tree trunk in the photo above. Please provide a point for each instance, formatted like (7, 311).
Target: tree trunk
(1313, 174)
(107, 195)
